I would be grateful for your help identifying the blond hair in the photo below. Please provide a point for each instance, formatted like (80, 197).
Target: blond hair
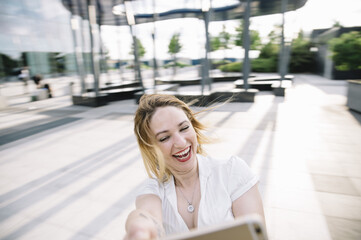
(152, 157)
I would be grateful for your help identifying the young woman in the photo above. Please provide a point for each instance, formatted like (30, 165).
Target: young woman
(185, 189)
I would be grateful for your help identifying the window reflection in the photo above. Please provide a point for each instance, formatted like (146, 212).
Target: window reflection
(37, 34)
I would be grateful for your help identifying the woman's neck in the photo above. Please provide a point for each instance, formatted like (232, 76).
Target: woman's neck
(185, 180)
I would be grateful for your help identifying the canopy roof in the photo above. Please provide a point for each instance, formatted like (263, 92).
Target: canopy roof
(233, 10)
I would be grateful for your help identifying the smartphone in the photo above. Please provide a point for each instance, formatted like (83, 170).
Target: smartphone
(245, 228)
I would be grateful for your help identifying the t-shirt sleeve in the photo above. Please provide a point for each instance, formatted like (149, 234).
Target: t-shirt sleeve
(151, 186)
(241, 177)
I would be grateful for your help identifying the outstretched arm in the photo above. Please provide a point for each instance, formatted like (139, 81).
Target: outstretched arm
(249, 203)
(145, 222)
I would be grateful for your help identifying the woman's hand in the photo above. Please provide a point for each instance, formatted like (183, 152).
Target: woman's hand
(142, 226)
(146, 221)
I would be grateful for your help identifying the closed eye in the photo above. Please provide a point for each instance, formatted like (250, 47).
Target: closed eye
(163, 139)
(184, 128)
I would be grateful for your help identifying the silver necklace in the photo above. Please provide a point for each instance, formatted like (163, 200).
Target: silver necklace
(190, 207)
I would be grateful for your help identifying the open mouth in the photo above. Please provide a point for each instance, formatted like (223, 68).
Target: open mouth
(183, 155)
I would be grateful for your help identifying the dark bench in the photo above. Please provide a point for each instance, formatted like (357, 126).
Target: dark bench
(180, 82)
(227, 77)
(158, 88)
(230, 77)
(90, 100)
(259, 85)
(235, 95)
(271, 78)
(116, 86)
(121, 93)
(197, 99)
(279, 87)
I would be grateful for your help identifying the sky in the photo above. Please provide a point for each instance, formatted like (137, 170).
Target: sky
(315, 14)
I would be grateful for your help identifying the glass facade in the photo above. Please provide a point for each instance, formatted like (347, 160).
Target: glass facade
(38, 34)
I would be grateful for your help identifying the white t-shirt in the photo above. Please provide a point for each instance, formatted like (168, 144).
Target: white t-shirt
(221, 182)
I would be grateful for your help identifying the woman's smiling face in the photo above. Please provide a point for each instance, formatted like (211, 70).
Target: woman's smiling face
(175, 137)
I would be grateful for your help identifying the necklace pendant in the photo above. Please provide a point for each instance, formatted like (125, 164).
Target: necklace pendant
(190, 208)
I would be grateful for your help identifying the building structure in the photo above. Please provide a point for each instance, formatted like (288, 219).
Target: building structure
(35, 34)
(325, 66)
(117, 12)
(38, 34)
(55, 37)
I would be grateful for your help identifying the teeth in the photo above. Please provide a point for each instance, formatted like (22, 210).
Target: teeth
(183, 153)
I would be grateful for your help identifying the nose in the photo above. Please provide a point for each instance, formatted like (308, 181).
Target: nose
(179, 141)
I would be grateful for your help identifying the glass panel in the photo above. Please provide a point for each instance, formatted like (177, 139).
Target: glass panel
(14, 7)
(146, 6)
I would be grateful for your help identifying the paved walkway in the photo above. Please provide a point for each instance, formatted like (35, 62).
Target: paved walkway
(71, 172)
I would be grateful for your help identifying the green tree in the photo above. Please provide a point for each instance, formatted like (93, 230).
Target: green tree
(222, 41)
(215, 43)
(141, 49)
(254, 37)
(347, 51)
(268, 58)
(302, 59)
(224, 38)
(336, 24)
(174, 47)
(238, 38)
(269, 50)
(275, 35)
(255, 40)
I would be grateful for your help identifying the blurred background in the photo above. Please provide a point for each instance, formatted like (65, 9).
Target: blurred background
(56, 39)
(71, 72)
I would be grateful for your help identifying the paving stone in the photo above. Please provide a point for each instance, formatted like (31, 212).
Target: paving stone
(79, 180)
(357, 184)
(339, 205)
(334, 184)
(341, 228)
(294, 225)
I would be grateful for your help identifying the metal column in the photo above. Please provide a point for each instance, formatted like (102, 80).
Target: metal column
(79, 62)
(246, 45)
(131, 23)
(282, 63)
(155, 66)
(94, 58)
(206, 8)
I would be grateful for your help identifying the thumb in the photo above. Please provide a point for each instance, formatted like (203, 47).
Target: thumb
(141, 235)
